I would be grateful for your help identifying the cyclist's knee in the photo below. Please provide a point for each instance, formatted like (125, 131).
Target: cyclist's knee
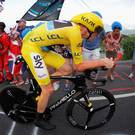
(47, 89)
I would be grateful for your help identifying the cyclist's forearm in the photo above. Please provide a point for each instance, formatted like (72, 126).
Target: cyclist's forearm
(89, 65)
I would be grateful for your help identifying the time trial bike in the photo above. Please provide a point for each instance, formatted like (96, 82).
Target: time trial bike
(88, 107)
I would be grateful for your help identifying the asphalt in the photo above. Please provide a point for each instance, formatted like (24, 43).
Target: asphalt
(122, 122)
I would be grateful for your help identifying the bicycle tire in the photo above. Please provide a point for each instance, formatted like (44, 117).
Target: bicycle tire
(18, 106)
(72, 112)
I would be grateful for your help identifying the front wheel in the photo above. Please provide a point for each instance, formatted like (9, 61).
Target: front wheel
(18, 106)
(92, 109)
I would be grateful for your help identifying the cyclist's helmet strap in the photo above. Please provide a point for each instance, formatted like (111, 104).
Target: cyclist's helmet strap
(98, 29)
(90, 20)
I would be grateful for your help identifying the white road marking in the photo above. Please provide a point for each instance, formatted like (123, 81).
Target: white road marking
(116, 96)
(125, 95)
(2, 113)
(11, 130)
(35, 131)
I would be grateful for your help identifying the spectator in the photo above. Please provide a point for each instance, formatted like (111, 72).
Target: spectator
(1, 8)
(15, 53)
(131, 75)
(22, 28)
(91, 45)
(91, 48)
(112, 45)
(4, 47)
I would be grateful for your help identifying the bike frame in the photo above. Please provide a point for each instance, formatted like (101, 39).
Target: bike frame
(80, 86)
(62, 100)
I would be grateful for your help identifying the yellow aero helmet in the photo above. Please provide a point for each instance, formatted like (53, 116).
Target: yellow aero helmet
(89, 20)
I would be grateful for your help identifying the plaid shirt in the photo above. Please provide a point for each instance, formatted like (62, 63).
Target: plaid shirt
(111, 43)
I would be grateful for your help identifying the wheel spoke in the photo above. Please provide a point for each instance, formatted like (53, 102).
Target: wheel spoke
(101, 108)
(88, 120)
(27, 112)
(27, 107)
(87, 105)
(82, 105)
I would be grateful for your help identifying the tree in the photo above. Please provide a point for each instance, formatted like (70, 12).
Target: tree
(128, 45)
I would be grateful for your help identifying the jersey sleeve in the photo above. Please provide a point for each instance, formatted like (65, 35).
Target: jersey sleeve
(76, 46)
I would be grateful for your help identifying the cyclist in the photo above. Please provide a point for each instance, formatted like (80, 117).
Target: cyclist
(58, 32)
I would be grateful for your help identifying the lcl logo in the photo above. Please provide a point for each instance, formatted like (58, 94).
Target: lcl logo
(37, 39)
(54, 36)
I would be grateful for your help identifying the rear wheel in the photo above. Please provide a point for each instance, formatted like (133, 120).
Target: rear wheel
(92, 110)
(17, 104)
